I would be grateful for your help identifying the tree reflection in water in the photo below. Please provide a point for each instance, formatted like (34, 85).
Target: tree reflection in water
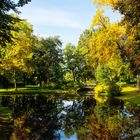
(42, 117)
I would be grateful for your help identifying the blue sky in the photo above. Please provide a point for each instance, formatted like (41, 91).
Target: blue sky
(66, 18)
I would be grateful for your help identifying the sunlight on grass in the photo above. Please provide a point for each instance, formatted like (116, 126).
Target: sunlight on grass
(31, 90)
(129, 89)
(130, 94)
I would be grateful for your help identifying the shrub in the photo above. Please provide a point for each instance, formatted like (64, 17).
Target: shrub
(114, 90)
(103, 91)
(101, 94)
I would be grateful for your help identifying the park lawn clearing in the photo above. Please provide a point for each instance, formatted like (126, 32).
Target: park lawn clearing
(30, 90)
(131, 94)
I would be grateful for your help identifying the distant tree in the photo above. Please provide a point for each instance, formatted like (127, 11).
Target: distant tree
(83, 49)
(47, 60)
(69, 58)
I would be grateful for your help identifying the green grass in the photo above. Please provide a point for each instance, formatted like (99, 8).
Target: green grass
(31, 89)
(131, 94)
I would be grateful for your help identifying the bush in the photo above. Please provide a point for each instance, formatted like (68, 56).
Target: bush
(51, 85)
(103, 91)
(101, 94)
(114, 90)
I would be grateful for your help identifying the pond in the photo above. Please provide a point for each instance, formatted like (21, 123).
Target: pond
(59, 117)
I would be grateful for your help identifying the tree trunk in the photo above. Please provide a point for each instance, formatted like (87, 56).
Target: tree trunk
(15, 82)
(40, 80)
(138, 82)
(24, 79)
(40, 83)
(73, 76)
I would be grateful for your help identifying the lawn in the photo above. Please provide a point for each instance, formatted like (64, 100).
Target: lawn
(131, 94)
(31, 89)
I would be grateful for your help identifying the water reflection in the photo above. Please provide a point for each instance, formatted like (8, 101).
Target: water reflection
(51, 117)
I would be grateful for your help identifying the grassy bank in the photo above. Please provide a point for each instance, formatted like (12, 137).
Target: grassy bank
(131, 94)
(32, 89)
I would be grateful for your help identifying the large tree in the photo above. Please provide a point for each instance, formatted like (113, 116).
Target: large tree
(106, 45)
(16, 55)
(131, 19)
(47, 60)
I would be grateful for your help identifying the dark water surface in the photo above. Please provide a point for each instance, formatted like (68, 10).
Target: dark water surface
(51, 117)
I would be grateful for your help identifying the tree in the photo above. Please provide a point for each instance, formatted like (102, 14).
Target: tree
(69, 58)
(74, 62)
(7, 21)
(131, 19)
(47, 60)
(83, 49)
(128, 8)
(17, 54)
(106, 44)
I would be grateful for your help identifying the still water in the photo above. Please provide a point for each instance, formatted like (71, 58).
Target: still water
(53, 117)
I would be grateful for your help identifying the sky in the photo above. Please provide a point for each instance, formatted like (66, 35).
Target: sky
(65, 18)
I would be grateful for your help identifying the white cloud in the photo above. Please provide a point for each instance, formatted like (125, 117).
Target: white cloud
(51, 17)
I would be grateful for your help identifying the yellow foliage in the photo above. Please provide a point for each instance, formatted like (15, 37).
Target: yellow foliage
(68, 76)
(99, 19)
(115, 124)
(105, 2)
(106, 40)
(101, 94)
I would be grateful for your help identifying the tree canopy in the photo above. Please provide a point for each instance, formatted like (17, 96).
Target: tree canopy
(7, 21)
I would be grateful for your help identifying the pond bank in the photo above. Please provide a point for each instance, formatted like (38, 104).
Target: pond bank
(129, 93)
(32, 90)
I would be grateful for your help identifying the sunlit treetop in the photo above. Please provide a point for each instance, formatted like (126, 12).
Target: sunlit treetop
(105, 2)
(99, 20)
(128, 8)
(106, 41)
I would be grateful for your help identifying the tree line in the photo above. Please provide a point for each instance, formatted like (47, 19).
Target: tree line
(106, 52)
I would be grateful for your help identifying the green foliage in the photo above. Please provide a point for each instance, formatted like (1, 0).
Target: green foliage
(113, 90)
(47, 60)
(102, 74)
(105, 91)
(83, 48)
(76, 60)
(7, 21)
(17, 54)
(101, 111)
